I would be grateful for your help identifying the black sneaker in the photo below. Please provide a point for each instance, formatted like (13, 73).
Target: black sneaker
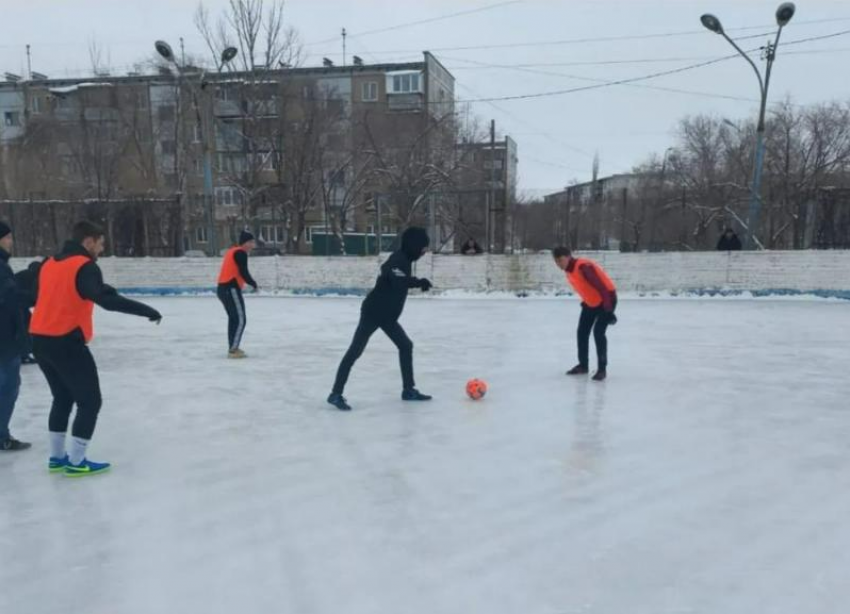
(338, 401)
(578, 370)
(13, 445)
(599, 376)
(412, 394)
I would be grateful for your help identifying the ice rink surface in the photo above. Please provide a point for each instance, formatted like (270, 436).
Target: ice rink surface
(710, 474)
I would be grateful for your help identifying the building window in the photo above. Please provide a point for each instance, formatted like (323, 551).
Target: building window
(271, 234)
(369, 91)
(37, 105)
(166, 113)
(12, 118)
(231, 163)
(406, 83)
(264, 161)
(199, 167)
(196, 133)
(201, 234)
(228, 196)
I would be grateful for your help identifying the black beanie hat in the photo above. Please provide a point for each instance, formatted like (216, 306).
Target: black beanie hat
(5, 229)
(244, 237)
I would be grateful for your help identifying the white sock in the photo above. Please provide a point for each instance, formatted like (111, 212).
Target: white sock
(78, 450)
(57, 444)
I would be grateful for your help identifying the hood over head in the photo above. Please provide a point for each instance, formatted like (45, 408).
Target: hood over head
(413, 241)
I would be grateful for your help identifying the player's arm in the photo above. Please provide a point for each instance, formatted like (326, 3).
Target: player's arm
(593, 279)
(90, 286)
(241, 259)
(395, 271)
(400, 279)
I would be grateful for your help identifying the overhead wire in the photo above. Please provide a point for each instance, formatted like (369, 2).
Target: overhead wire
(650, 76)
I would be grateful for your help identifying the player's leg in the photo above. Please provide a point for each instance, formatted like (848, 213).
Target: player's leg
(45, 351)
(226, 299)
(241, 315)
(585, 325)
(365, 329)
(397, 335)
(600, 328)
(78, 372)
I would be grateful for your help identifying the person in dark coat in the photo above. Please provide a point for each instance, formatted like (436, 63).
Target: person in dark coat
(26, 281)
(471, 248)
(12, 335)
(382, 308)
(729, 242)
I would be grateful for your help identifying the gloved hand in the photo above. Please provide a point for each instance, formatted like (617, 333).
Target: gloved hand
(256, 288)
(155, 317)
(612, 319)
(425, 285)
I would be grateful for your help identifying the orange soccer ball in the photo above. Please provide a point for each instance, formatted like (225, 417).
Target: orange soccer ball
(476, 388)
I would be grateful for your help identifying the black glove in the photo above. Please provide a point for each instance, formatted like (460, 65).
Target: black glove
(256, 287)
(425, 285)
(155, 317)
(612, 319)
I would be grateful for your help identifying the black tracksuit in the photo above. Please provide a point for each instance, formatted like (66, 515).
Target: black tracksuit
(67, 362)
(383, 306)
(230, 295)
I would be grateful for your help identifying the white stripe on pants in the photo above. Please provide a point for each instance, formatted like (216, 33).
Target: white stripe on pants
(237, 338)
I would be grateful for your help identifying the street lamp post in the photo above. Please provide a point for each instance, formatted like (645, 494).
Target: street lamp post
(227, 55)
(784, 14)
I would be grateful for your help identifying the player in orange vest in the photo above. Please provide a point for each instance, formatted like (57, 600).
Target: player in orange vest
(69, 285)
(232, 278)
(599, 300)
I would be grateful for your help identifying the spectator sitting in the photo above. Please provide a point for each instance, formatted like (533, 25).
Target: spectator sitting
(729, 242)
(470, 248)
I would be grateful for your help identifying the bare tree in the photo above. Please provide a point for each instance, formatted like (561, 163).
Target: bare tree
(256, 28)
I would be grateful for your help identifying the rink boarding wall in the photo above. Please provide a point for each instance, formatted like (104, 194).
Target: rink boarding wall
(820, 273)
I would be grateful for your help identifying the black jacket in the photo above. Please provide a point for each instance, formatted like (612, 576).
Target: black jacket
(26, 281)
(90, 286)
(386, 300)
(12, 329)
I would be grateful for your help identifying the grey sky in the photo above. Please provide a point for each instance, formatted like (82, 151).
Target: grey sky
(557, 135)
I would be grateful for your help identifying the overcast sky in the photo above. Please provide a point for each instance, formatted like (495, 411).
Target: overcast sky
(557, 134)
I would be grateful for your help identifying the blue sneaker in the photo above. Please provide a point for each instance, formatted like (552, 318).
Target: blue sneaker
(57, 465)
(85, 468)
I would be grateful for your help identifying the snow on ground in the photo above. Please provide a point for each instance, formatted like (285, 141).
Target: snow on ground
(708, 475)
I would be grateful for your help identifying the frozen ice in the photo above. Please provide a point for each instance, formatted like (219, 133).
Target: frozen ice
(709, 474)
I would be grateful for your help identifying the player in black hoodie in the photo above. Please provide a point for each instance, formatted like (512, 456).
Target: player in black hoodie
(382, 309)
